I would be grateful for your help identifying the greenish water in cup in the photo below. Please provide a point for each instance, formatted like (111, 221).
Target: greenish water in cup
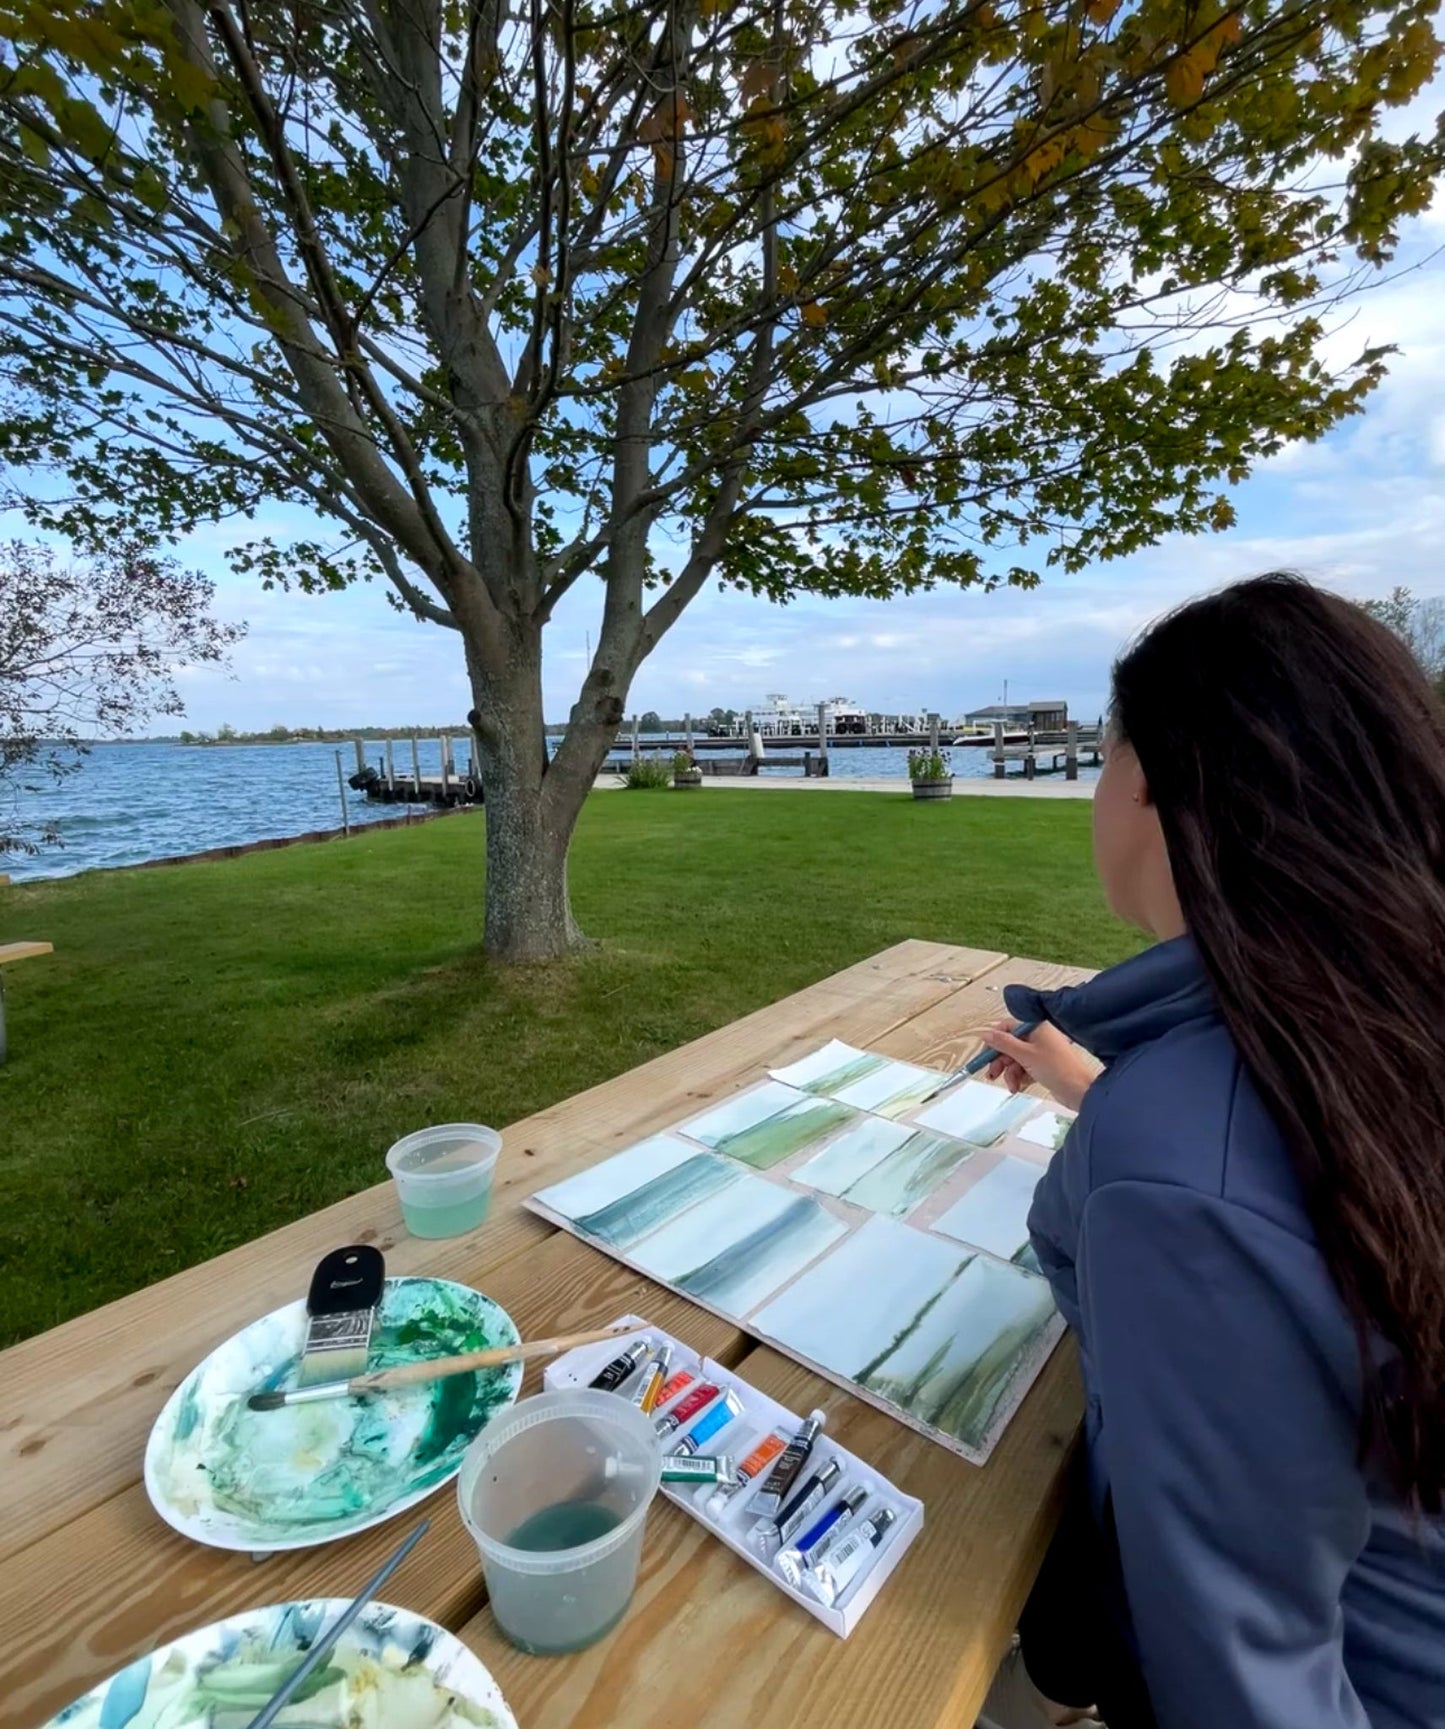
(450, 1218)
(444, 1177)
(567, 1525)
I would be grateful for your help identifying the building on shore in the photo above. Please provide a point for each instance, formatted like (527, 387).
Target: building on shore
(1044, 716)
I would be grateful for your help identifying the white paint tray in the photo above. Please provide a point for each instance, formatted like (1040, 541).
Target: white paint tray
(760, 1414)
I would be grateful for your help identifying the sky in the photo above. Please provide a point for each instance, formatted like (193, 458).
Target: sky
(1361, 511)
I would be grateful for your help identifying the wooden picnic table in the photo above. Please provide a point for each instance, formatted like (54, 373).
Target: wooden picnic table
(91, 1578)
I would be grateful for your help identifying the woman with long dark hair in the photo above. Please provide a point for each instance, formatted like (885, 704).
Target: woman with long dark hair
(1246, 1225)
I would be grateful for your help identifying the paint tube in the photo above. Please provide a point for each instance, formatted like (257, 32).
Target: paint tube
(692, 1468)
(849, 1558)
(820, 1536)
(696, 1402)
(753, 1464)
(673, 1387)
(780, 1480)
(653, 1376)
(770, 1534)
(719, 1415)
(621, 1368)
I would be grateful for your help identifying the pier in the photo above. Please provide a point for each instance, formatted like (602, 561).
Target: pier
(1027, 754)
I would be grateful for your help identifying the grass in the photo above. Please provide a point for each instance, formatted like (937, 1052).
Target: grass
(217, 1049)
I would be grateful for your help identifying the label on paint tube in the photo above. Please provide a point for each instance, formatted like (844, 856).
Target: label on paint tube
(770, 1533)
(687, 1468)
(789, 1467)
(645, 1397)
(849, 1558)
(820, 1536)
(756, 1462)
(620, 1368)
(719, 1415)
(679, 1383)
(696, 1402)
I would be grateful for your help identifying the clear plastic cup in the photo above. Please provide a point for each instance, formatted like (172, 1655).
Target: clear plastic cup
(444, 1177)
(555, 1492)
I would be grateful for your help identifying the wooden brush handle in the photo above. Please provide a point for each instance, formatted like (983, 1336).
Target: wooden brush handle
(437, 1368)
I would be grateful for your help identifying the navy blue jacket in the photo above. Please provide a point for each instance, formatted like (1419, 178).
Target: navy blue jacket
(1271, 1581)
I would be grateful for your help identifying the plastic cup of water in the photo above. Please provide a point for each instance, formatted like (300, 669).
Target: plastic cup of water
(444, 1177)
(555, 1492)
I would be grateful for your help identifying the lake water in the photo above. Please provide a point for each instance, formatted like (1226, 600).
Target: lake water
(132, 802)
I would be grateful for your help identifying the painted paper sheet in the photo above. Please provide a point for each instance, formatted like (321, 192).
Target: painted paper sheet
(839, 1213)
(993, 1213)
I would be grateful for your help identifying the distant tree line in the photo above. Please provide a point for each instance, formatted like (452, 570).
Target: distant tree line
(227, 734)
(1420, 625)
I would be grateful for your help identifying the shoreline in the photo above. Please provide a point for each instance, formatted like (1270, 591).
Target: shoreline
(1014, 787)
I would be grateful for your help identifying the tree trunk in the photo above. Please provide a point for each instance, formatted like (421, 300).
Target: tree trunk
(530, 811)
(529, 915)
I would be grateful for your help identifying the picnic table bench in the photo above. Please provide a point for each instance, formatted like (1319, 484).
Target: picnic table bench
(91, 1578)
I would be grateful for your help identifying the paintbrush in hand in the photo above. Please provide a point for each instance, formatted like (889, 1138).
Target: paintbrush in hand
(434, 1369)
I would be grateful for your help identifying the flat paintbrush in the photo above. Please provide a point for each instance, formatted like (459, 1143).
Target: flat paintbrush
(434, 1369)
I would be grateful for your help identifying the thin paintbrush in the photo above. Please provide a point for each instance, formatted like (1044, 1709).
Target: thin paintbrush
(977, 1064)
(323, 1647)
(434, 1369)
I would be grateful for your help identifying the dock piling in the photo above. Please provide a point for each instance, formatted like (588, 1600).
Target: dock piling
(341, 788)
(444, 745)
(636, 748)
(390, 771)
(360, 749)
(822, 767)
(415, 770)
(1071, 751)
(1000, 767)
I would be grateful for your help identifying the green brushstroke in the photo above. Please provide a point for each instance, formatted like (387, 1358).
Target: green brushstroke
(963, 1397)
(623, 1221)
(766, 1144)
(909, 1175)
(717, 1279)
(855, 1069)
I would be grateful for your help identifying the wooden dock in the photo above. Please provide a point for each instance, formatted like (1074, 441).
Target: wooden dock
(1035, 753)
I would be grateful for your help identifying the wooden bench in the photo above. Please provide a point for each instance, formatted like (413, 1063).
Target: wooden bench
(15, 952)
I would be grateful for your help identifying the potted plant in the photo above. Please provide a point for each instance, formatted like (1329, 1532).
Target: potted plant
(685, 771)
(931, 773)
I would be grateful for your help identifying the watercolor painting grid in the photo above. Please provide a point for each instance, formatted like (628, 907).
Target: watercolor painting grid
(873, 1233)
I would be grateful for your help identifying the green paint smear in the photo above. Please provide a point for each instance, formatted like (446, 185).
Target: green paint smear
(339, 1480)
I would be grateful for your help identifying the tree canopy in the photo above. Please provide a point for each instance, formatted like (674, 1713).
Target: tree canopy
(89, 651)
(809, 298)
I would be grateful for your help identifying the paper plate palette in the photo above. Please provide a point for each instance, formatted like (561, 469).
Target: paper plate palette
(263, 1480)
(391, 1669)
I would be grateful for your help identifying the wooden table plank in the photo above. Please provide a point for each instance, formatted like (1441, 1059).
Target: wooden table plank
(94, 1385)
(115, 1581)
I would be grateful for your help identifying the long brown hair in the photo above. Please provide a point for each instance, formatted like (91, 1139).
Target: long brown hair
(1296, 755)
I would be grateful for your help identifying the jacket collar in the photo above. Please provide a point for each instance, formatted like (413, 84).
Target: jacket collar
(1139, 1000)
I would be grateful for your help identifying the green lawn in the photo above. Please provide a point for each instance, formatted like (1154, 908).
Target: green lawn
(216, 1049)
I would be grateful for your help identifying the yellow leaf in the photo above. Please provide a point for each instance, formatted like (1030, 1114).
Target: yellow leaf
(1045, 159)
(589, 180)
(1091, 136)
(1184, 80)
(814, 314)
(787, 279)
(1100, 11)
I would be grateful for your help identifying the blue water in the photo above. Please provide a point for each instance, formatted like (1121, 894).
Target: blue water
(128, 803)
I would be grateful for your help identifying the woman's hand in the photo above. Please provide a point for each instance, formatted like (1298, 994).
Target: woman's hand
(1045, 1056)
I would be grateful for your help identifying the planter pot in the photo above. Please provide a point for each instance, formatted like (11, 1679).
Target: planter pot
(933, 788)
(687, 777)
